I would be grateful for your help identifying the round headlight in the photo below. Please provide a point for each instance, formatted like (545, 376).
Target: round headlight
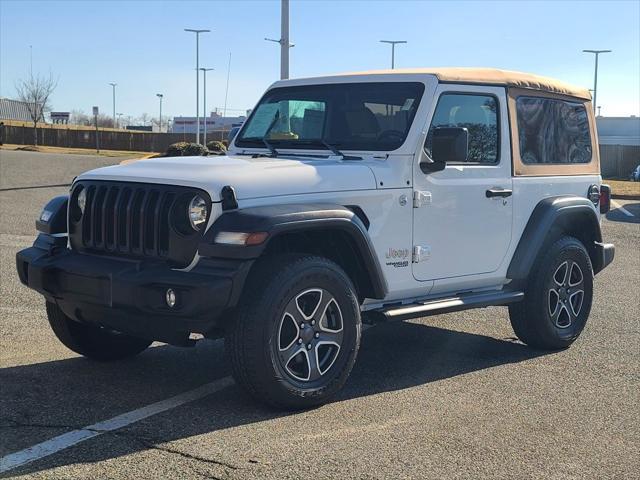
(197, 212)
(82, 200)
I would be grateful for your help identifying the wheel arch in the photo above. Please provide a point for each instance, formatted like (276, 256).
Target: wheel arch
(333, 231)
(551, 218)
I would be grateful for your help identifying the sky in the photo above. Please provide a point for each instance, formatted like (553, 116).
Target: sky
(142, 47)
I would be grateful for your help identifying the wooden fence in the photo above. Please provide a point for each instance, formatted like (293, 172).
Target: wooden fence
(73, 136)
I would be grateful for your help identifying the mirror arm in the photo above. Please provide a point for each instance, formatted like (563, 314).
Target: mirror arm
(428, 165)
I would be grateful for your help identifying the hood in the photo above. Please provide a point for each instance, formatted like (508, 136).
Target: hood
(250, 177)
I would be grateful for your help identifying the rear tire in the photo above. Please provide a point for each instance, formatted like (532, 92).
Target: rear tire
(92, 341)
(557, 298)
(297, 333)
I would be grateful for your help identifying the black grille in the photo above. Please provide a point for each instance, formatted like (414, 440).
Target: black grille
(135, 220)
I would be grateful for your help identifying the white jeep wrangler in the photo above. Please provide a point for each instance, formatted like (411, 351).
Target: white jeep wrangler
(343, 199)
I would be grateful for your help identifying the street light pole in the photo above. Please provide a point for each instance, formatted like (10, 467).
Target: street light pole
(595, 75)
(113, 85)
(160, 95)
(119, 117)
(197, 32)
(204, 103)
(284, 42)
(393, 44)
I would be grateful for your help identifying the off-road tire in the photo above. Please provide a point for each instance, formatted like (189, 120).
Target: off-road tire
(532, 319)
(93, 341)
(252, 342)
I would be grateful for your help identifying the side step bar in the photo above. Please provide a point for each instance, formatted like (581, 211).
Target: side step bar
(444, 305)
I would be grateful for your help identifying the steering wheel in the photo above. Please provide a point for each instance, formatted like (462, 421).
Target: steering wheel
(391, 135)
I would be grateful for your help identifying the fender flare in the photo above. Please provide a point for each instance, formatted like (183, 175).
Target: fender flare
(53, 218)
(290, 218)
(551, 214)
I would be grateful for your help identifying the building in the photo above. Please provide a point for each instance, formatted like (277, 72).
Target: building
(14, 110)
(619, 139)
(215, 122)
(619, 130)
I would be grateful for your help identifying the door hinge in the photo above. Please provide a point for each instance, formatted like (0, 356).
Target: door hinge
(421, 253)
(421, 198)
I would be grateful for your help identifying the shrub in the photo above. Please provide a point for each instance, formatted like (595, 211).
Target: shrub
(182, 149)
(216, 148)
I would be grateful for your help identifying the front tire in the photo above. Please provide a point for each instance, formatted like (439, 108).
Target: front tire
(92, 341)
(558, 297)
(297, 334)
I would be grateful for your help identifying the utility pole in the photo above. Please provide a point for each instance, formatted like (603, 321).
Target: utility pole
(119, 117)
(284, 42)
(226, 92)
(113, 85)
(197, 32)
(393, 44)
(160, 96)
(204, 103)
(595, 75)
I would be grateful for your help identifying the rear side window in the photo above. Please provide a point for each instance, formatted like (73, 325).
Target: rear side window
(476, 113)
(553, 131)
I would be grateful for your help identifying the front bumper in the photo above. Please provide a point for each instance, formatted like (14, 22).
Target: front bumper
(129, 296)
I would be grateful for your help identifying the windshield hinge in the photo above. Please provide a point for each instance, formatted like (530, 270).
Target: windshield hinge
(421, 198)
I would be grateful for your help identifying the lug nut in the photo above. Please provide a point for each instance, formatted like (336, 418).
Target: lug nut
(302, 325)
(317, 335)
(313, 322)
(299, 341)
(308, 346)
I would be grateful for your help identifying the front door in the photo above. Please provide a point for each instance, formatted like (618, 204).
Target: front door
(462, 218)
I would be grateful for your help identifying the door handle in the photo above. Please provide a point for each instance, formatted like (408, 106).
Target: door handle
(498, 192)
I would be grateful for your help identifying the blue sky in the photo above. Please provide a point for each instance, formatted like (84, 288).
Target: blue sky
(141, 45)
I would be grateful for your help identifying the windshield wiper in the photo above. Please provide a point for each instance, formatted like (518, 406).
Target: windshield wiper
(273, 151)
(332, 148)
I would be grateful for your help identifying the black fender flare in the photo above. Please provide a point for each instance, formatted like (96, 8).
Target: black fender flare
(276, 220)
(53, 218)
(560, 213)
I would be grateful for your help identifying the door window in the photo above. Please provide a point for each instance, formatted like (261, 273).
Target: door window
(478, 114)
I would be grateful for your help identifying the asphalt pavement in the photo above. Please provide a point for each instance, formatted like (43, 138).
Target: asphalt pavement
(451, 396)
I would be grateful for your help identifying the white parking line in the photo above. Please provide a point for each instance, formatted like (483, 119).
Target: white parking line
(66, 440)
(622, 209)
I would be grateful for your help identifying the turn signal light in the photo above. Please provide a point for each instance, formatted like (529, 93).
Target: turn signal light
(241, 238)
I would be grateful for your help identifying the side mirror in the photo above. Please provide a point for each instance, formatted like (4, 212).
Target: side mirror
(449, 145)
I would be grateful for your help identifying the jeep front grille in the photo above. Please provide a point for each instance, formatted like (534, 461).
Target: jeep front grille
(134, 220)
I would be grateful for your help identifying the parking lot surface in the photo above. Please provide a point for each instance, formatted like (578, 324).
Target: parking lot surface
(451, 396)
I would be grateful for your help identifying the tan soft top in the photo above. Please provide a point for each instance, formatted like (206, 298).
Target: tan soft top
(491, 76)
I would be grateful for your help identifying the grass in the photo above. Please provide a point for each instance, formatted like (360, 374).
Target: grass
(77, 151)
(623, 188)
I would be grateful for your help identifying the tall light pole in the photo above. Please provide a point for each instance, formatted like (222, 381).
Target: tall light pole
(284, 42)
(197, 32)
(393, 44)
(595, 75)
(226, 91)
(160, 96)
(204, 101)
(113, 85)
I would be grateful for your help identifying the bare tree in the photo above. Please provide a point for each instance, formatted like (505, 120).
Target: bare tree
(35, 92)
(144, 118)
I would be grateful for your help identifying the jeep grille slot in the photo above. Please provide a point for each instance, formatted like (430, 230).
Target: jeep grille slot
(134, 220)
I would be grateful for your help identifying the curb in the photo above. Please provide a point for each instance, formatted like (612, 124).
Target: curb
(625, 197)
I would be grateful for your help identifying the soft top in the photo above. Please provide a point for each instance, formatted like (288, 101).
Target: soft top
(490, 76)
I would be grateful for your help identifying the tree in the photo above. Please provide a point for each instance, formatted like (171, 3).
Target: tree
(35, 92)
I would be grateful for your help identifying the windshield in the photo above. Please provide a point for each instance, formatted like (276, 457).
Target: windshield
(352, 116)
